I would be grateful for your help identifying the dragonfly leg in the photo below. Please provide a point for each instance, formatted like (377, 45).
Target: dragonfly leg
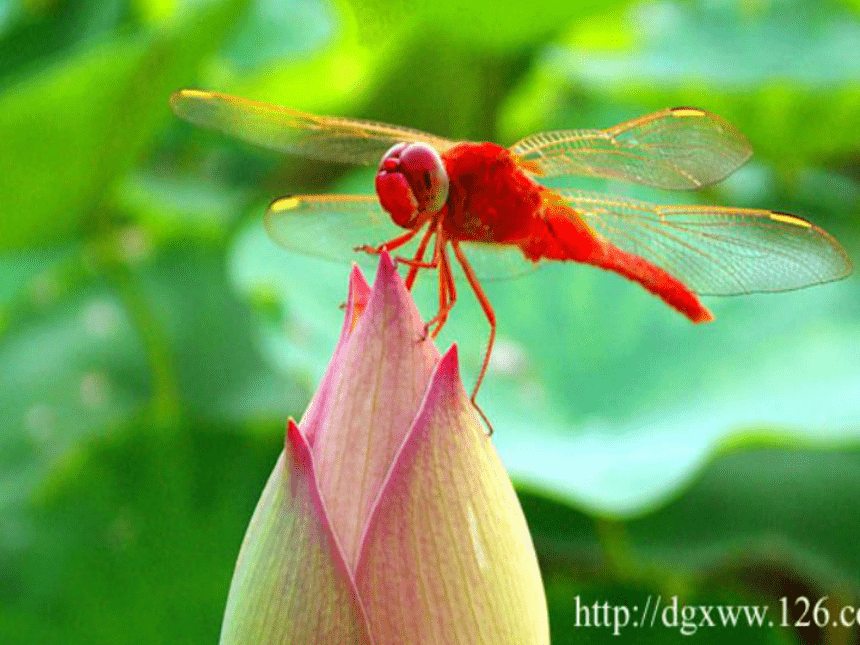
(443, 296)
(390, 245)
(447, 292)
(491, 317)
(446, 286)
(415, 263)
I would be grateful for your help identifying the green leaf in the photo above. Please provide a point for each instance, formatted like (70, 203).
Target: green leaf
(791, 504)
(786, 78)
(754, 505)
(272, 30)
(135, 518)
(499, 26)
(71, 131)
(174, 207)
(73, 368)
(218, 354)
(85, 353)
(623, 410)
(36, 33)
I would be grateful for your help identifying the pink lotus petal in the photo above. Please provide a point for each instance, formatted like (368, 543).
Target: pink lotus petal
(359, 293)
(383, 371)
(447, 556)
(291, 583)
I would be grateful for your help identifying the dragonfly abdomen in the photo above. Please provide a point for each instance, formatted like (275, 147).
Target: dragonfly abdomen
(561, 234)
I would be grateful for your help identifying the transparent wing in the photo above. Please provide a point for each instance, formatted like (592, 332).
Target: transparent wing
(330, 226)
(677, 148)
(715, 250)
(320, 137)
(497, 262)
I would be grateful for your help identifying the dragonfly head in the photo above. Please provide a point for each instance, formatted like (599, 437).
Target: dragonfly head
(411, 182)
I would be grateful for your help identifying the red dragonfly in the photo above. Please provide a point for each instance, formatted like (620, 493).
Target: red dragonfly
(482, 194)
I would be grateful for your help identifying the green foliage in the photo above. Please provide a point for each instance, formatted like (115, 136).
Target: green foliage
(85, 120)
(153, 340)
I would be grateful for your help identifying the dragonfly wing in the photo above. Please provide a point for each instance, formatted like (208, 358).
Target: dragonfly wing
(498, 262)
(330, 226)
(285, 130)
(716, 250)
(677, 148)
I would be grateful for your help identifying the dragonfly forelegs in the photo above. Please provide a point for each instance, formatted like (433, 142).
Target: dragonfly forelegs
(447, 293)
(390, 245)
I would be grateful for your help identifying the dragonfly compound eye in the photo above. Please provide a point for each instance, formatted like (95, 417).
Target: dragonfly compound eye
(411, 181)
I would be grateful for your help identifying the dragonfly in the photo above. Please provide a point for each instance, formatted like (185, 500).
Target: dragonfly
(459, 195)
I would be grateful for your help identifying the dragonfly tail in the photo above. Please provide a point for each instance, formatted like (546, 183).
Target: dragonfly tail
(567, 237)
(659, 282)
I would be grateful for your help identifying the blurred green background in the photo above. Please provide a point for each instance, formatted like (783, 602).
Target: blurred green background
(153, 341)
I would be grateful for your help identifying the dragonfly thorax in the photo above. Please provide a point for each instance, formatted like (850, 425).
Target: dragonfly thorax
(490, 198)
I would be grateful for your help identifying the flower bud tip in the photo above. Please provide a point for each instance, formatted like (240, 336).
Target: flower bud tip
(386, 266)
